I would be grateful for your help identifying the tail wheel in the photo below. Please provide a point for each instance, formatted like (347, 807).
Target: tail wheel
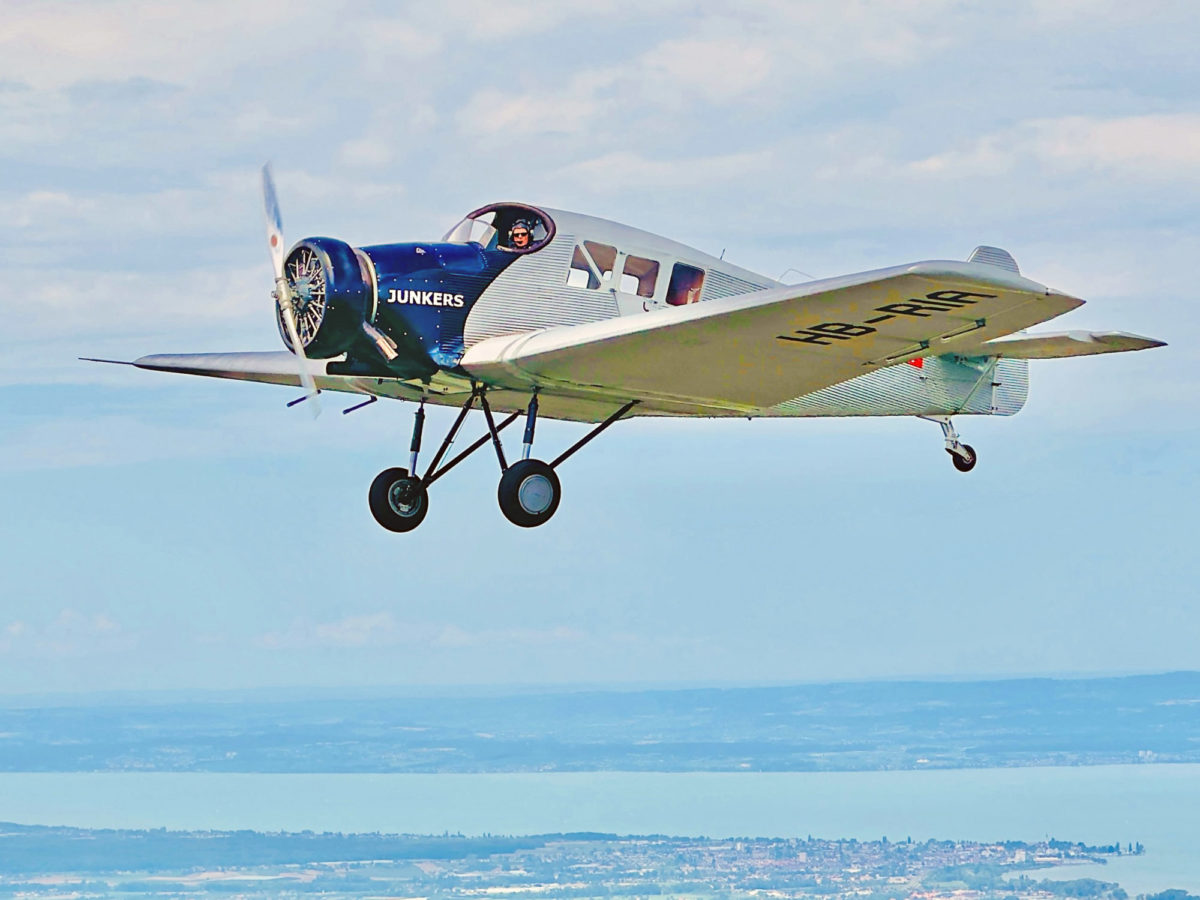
(529, 493)
(964, 463)
(398, 501)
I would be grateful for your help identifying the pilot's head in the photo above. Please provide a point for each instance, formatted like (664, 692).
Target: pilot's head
(520, 235)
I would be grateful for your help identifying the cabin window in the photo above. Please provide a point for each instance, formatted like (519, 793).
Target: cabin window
(639, 276)
(582, 274)
(603, 256)
(686, 282)
(592, 265)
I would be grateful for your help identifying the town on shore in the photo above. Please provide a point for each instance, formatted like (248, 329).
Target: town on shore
(45, 862)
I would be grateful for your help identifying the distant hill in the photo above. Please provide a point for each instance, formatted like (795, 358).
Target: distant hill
(849, 726)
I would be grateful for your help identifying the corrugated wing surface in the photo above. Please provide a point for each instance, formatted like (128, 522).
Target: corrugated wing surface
(943, 386)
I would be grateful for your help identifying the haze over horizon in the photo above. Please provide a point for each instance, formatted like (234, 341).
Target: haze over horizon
(166, 532)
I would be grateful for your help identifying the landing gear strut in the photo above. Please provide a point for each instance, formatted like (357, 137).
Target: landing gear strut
(399, 500)
(962, 455)
(529, 491)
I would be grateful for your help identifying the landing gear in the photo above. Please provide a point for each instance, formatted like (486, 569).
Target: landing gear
(962, 455)
(965, 458)
(398, 501)
(529, 491)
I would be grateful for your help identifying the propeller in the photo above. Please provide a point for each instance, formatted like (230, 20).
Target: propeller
(283, 293)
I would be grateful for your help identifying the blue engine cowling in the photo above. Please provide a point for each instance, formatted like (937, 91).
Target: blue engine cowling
(393, 309)
(333, 295)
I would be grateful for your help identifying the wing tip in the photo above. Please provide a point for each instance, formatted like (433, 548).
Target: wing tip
(1124, 341)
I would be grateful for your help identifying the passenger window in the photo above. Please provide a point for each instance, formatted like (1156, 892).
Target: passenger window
(686, 282)
(604, 257)
(581, 274)
(639, 276)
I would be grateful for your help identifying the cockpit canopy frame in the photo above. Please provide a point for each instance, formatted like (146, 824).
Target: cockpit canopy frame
(489, 227)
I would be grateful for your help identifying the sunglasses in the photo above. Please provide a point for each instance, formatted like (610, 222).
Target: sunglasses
(520, 234)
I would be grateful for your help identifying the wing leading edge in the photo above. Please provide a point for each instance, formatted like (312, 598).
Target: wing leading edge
(752, 351)
(267, 367)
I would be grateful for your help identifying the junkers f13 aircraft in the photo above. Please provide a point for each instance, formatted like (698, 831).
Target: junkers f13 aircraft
(526, 310)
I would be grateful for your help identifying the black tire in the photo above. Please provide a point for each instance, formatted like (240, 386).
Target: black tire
(398, 501)
(529, 493)
(967, 464)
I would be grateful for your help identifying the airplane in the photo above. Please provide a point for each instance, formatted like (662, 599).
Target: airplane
(524, 310)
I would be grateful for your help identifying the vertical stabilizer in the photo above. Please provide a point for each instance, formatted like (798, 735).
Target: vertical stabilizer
(994, 256)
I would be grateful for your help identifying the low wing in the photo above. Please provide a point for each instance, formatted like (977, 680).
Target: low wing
(756, 350)
(281, 367)
(269, 367)
(1061, 344)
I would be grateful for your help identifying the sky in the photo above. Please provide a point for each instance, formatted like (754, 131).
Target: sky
(165, 532)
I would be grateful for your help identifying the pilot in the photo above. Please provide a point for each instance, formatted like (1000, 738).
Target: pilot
(520, 235)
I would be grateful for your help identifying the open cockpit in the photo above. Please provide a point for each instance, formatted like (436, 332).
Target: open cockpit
(511, 227)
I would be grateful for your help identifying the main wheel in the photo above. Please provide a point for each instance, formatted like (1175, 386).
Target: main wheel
(398, 501)
(967, 463)
(529, 493)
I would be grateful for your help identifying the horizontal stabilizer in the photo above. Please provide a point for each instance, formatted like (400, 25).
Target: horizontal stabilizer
(1060, 345)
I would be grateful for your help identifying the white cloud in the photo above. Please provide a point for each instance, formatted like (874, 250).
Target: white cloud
(1153, 145)
(625, 170)
(1146, 147)
(382, 629)
(702, 68)
(99, 304)
(716, 69)
(64, 216)
(485, 22)
(69, 634)
(51, 44)
(366, 153)
(524, 115)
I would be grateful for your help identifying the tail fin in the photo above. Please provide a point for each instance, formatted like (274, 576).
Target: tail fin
(994, 256)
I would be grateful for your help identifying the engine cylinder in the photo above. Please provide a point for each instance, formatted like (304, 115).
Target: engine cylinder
(333, 294)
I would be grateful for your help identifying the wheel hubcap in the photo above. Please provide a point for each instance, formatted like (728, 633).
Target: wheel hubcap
(535, 494)
(403, 498)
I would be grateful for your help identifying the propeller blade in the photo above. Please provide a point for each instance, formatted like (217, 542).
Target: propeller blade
(274, 222)
(306, 379)
(283, 293)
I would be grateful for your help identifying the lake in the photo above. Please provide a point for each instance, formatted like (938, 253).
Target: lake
(1158, 805)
